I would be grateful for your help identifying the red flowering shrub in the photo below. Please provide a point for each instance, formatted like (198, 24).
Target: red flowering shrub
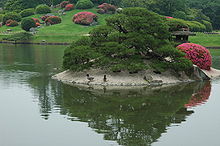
(106, 8)
(85, 18)
(69, 7)
(199, 55)
(64, 3)
(11, 23)
(37, 24)
(36, 20)
(200, 97)
(53, 20)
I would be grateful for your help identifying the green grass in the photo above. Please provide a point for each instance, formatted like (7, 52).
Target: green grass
(207, 40)
(66, 31)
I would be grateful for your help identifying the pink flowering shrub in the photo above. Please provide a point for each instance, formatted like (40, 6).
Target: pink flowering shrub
(53, 20)
(64, 3)
(198, 54)
(69, 7)
(85, 18)
(36, 20)
(106, 8)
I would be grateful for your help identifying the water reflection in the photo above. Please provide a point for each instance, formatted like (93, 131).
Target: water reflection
(130, 117)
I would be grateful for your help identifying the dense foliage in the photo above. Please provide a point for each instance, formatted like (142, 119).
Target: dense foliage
(27, 12)
(11, 16)
(43, 9)
(198, 54)
(11, 23)
(84, 4)
(53, 20)
(85, 18)
(106, 8)
(23, 36)
(126, 42)
(27, 24)
(64, 3)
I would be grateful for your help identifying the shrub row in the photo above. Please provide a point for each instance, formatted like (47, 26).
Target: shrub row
(195, 26)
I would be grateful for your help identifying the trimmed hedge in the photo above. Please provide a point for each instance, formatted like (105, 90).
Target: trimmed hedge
(27, 12)
(27, 24)
(11, 16)
(84, 4)
(43, 9)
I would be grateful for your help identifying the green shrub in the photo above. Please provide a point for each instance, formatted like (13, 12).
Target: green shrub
(23, 36)
(175, 24)
(208, 25)
(1, 17)
(43, 9)
(27, 12)
(84, 4)
(27, 23)
(12, 16)
(196, 26)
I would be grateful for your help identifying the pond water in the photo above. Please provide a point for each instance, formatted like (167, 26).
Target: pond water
(38, 111)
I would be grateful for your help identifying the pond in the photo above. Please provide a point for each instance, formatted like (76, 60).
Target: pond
(38, 111)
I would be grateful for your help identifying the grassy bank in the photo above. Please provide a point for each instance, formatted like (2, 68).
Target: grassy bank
(66, 31)
(208, 40)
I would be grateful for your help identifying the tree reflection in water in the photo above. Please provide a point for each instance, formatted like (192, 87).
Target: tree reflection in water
(130, 117)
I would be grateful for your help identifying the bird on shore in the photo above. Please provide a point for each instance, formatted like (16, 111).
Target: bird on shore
(89, 78)
(105, 78)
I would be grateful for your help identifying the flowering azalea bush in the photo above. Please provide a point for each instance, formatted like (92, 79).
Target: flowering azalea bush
(64, 3)
(36, 20)
(106, 8)
(85, 18)
(69, 7)
(11, 23)
(43, 18)
(53, 20)
(198, 54)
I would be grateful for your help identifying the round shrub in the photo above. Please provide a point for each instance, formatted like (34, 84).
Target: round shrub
(198, 54)
(12, 16)
(69, 7)
(208, 25)
(84, 4)
(85, 18)
(27, 12)
(176, 24)
(43, 9)
(53, 20)
(107, 8)
(11, 23)
(196, 26)
(63, 4)
(27, 24)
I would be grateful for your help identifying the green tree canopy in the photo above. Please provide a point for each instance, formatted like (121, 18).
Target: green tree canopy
(126, 42)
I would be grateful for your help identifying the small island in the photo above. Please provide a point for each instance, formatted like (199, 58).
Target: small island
(134, 48)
